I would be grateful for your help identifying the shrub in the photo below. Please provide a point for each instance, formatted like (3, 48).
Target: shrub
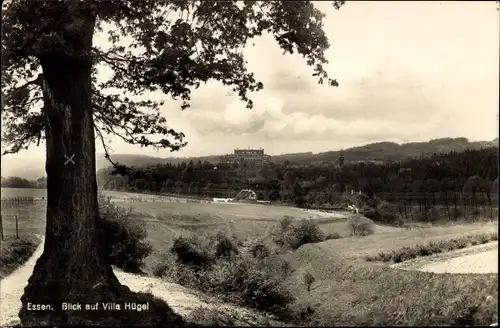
(383, 212)
(308, 280)
(278, 233)
(404, 254)
(259, 250)
(262, 284)
(223, 246)
(124, 238)
(192, 251)
(303, 232)
(292, 235)
(210, 318)
(361, 226)
(161, 270)
(250, 280)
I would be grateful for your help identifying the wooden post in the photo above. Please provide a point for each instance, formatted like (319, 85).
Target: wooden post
(17, 229)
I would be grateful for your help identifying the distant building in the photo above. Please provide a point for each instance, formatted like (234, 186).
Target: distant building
(251, 156)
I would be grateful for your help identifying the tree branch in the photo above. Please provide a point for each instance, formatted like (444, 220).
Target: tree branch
(38, 81)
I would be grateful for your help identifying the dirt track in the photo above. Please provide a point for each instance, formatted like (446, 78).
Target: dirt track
(181, 299)
(476, 259)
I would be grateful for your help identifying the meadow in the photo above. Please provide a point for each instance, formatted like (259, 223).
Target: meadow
(347, 289)
(166, 220)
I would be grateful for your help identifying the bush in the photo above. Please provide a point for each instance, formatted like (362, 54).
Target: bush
(292, 235)
(278, 234)
(124, 238)
(254, 279)
(224, 246)
(383, 212)
(202, 252)
(259, 250)
(210, 318)
(361, 226)
(161, 269)
(192, 251)
(304, 232)
(262, 283)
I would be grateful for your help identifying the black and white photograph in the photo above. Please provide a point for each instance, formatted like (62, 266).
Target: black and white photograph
(182, 163)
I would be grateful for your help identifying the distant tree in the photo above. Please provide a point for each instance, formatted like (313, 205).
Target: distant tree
(41, 183)
(208, 166)
(17, 182)
(433, 186)
(371, 186)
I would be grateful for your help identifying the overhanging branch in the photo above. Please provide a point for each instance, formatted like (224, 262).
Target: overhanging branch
(119, 169)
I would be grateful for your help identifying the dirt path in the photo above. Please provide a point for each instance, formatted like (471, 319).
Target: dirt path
(12, 287)
(181, 299)
(476, 259)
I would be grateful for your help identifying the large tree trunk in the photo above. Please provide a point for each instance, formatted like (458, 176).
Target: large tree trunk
(74, 266)
(72, 261)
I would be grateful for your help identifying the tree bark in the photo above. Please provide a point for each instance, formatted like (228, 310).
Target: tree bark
(74, 266)
(73, 260)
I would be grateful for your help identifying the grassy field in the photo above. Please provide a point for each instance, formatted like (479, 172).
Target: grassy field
(350, 292)
(348, 289)
(166, 220)
(23, 192)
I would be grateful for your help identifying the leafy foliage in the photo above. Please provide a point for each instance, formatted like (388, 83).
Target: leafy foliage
(192, 251)
(361, 226)
(125, 239)
(255, 281)
(167, 46)
(291, 234)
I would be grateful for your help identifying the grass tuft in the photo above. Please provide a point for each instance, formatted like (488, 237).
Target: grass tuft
(15, 252)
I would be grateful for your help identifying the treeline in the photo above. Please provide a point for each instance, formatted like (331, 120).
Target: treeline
(17, 182)
(317, 183)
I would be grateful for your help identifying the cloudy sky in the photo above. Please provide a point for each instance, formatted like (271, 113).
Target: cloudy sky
(408, 71)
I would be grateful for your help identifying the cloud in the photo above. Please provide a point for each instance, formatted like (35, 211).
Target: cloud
(371, 116)
(284, 82)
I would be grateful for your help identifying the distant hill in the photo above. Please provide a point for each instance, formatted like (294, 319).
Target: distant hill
(391, 151)
(375, 152)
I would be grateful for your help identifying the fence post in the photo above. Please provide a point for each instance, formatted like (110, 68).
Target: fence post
(17, 230)
(1, 225)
